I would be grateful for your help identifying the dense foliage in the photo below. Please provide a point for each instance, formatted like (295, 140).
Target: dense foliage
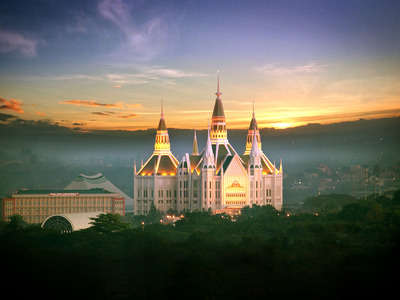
(351, 252)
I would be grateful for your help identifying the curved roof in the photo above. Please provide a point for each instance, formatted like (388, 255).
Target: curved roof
(99, 181)
(77, 221)
(160, 164)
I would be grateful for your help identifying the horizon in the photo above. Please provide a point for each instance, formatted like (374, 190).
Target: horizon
(107, 65)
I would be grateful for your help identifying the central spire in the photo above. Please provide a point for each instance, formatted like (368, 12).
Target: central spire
(218, 93)
(218, 126)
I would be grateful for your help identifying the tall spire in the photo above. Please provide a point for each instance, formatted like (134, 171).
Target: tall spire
(255, 154)
(195, 147)
(253, 132)
(208, 158)
(254, 115)
(255, 151)
(218, 93)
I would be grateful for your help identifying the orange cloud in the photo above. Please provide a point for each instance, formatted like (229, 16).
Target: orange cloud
(103, 113)
(42, 114)
(11, 104)
(92, 103)
(128, 116)
(112, 114)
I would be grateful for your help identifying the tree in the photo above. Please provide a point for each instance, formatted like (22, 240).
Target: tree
(106, 223)
(154, 215)
(16, 223)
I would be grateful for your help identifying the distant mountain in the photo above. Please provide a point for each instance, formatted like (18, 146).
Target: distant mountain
(41, 154)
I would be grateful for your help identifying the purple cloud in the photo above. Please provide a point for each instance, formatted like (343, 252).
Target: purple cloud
(15, 42)
(146, 40)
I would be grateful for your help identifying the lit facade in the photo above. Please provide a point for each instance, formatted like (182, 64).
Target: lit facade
(216, 179)
(36, 205)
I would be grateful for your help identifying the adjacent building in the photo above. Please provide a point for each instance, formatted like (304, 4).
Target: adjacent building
(36, 205)
(87, 182)
(216, 179)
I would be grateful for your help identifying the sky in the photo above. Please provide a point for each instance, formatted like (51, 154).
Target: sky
(108, 64)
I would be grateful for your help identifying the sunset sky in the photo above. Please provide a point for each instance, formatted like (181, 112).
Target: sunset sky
(108, 64)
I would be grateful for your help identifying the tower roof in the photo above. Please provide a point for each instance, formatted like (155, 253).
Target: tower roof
(161, 124)
(195, 147)
(253, 124)
(218, 108)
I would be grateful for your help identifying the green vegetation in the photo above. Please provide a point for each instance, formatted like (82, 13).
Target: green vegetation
(348, 250)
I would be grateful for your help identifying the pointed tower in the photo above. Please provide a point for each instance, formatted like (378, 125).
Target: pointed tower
(208, 155)
(195, 147)
(218, 126)
(255, 154)
(208, 176)
(162, 161)
(253, 128)
(255, 172)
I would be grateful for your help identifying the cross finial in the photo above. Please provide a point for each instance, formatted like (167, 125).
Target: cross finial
(162, 108)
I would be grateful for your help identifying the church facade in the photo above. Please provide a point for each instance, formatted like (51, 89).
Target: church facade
(216, 179)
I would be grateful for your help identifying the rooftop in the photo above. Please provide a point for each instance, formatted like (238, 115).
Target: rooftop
(62, 191)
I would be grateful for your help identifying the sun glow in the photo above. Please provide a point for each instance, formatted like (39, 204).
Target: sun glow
(282, 125)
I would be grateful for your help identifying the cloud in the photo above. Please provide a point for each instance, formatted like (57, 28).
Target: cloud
(112, 114)
(147, 39)
(148, 74)
(127, 116)
(78, 124)
(42, 114)
(92, 103)
(11, 104)
(15, 42)
(103, 113)
(173, 73)
(71, 77)
(278, 69)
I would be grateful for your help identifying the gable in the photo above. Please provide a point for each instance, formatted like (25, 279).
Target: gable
(235, 167)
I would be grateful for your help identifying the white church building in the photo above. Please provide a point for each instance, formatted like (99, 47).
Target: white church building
(216, 179)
